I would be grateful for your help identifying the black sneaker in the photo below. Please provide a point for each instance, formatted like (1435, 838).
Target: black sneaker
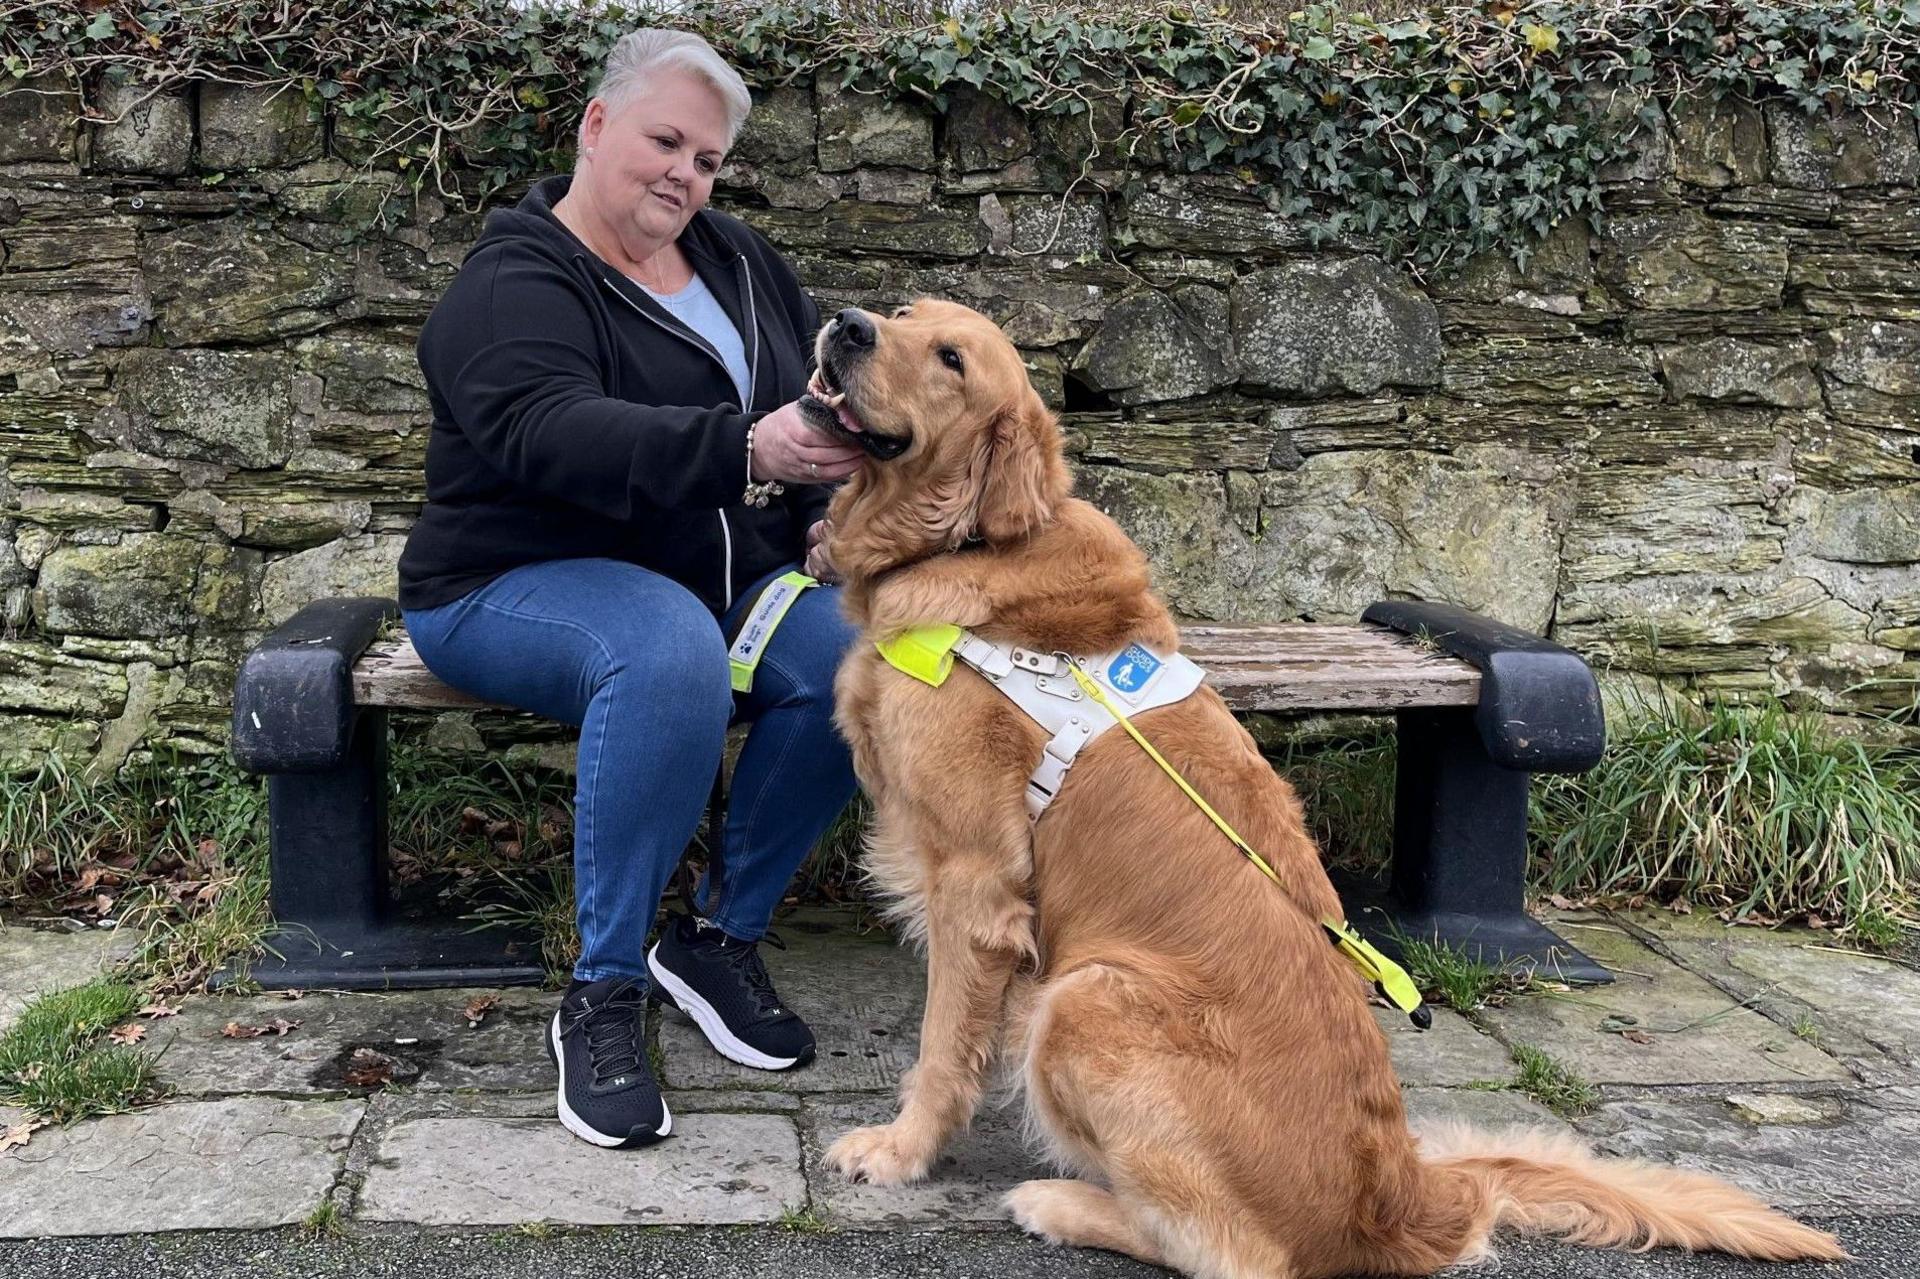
(608, 1095)
(721, 983)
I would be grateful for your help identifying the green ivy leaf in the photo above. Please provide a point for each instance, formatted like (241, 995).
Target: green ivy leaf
(101, 28)
(1317, 49)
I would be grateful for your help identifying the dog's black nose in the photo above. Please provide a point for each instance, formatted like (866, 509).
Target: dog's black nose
(855, 329)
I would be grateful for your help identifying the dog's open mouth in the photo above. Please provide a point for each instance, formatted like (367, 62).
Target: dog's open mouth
(825, 405)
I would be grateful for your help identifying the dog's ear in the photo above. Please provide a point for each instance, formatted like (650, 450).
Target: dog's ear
(1024, 476)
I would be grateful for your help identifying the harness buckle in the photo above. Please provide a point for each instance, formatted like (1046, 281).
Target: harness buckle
(1055, 760)
(984, 656)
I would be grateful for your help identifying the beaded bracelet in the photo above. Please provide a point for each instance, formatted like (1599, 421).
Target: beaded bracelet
(761, 493)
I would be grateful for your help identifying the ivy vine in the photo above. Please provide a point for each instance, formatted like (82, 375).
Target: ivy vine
(1438, 132)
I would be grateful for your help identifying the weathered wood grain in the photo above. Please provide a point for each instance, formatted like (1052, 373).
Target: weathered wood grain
(1282, 666)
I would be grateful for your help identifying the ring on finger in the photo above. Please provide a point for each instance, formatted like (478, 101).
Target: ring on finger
(813, 469)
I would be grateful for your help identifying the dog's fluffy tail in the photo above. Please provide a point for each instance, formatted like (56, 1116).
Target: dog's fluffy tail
(1550, 1184)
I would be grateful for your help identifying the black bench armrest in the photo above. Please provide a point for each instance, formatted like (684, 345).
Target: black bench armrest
(1539, 703)
(293, 698)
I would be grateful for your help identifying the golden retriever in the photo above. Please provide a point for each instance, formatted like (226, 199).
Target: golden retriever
(1186, 1040)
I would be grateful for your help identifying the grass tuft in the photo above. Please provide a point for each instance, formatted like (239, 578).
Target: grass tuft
(1552, 1084)
(170, 815)
(324, 1222)
(804, 1221)
(52, 1062)
(1878, 931)
(1762, 812)
(1755, 811)
(1460, 981)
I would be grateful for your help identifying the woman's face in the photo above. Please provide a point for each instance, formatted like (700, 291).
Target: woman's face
(654, 158)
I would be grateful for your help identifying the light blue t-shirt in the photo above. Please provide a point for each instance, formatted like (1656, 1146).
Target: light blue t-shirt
(697, 308)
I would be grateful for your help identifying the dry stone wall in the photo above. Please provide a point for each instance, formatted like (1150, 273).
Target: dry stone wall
(1690, 445)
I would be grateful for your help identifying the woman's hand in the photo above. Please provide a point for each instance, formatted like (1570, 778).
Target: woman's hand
(787, 448)
(819, 565)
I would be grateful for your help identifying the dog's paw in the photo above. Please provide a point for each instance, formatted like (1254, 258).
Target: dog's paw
(1035, 1207)
(878, 1156)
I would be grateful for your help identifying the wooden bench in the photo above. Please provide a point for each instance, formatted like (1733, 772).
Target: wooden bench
(1479, 705)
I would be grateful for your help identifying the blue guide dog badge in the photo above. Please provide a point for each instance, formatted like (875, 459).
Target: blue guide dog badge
(1132, 670)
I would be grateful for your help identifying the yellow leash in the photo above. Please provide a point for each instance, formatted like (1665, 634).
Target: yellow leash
(1387, 977)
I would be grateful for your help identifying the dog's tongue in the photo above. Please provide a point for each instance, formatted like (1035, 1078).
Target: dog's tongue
(848, 420)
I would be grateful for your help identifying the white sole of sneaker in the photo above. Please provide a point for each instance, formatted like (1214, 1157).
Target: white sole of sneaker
(709, 1021)
(574, 1123)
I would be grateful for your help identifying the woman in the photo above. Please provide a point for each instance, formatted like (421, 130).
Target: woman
(617, 468)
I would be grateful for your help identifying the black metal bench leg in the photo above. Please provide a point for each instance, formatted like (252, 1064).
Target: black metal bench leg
(1460, 852)
(336, 927)
(329, 838)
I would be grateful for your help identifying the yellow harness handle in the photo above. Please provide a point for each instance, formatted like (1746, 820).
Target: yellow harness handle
(1387, 977)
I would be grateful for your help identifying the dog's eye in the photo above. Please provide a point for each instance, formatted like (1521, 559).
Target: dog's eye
(951, 358)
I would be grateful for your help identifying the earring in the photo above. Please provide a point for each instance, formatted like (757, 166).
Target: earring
(589, 153)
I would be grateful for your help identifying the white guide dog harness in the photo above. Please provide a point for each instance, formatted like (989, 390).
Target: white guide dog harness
(1078, 698)
(1136, 677)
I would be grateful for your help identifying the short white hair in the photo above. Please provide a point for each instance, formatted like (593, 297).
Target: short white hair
(639, 55)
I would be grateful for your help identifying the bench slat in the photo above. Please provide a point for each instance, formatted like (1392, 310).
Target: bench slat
(1277, 666)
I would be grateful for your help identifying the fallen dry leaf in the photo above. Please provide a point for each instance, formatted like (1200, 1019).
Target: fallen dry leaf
(1680, 906)
(131, 1033)
(278, 1026)
(479, 1006)
(1558, 902)
(1636, 1037)
(293, 993)
(153, 1012)
(369, 1068)
(20, 1134)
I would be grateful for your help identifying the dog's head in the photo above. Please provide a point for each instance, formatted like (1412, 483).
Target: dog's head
(962, 447)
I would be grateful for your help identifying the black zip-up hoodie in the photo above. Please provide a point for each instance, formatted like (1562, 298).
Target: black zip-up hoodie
(574, 417)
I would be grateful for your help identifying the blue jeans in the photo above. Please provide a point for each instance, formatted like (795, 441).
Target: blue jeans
(639, 665)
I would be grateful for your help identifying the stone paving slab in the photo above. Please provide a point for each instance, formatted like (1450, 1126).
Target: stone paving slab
(401, 1104)
(1857, 1004)
(1452, 1053)
(504, 1051)
(1696, 1032)
(1857, 1153)
(965, 1185)
(967, 1182)
(36, 960)
(861, 993)
(242, 1163)
(716, 1169)
(1427, 1107)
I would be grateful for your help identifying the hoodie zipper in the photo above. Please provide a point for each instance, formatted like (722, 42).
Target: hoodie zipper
(753, 378)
